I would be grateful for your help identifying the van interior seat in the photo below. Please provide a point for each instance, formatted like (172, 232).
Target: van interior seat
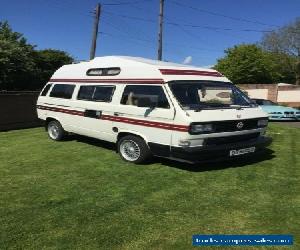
(129, 100)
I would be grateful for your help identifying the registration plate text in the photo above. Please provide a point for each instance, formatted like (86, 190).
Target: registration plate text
(241, 151)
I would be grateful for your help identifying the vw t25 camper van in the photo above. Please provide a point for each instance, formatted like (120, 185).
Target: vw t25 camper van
(150, 107)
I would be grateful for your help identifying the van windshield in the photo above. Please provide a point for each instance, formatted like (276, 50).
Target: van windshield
(198, 95)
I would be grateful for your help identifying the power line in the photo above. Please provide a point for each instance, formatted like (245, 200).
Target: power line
(131, 40)
(151, 42)
(221, 15)
(125, 3)
(126, 32)
(57, 5)
(187, 24)
(134, 41)
(130, 17)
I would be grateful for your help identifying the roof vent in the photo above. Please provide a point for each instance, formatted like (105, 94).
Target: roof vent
(103, 71)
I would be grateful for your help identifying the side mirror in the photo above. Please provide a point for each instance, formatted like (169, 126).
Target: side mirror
(145, 102)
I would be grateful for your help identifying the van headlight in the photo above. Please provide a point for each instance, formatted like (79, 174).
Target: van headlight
(201, 128)
(262, 123)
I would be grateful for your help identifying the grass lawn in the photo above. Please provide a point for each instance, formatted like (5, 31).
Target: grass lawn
(77, 194)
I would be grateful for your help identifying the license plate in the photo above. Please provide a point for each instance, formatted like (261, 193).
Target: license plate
(289, 116)
(241, 151)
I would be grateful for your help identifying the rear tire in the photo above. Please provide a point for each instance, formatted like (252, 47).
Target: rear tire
(133, 149)
(55, 131)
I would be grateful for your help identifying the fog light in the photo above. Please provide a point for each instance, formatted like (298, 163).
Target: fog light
(184, 143)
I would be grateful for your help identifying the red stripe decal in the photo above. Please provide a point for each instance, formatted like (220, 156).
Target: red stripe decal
(66, 111)
(161, 125)
(129, 80)
(189, 72)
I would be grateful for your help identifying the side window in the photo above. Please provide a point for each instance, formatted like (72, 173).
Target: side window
(62, 91)
(145, 96)
(46, 89)
(96, 93)
(86, 93)
(103, 94)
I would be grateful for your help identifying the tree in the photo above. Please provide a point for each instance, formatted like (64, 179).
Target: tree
(48, 61)
(247, 63)
(21, 66)
(286, 42)
(16, 59)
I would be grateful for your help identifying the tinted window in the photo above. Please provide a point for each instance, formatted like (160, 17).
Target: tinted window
(135, 95)
(263, 102)
(197, 95)
(46, 89)
(96, 93)
(62, 91)
(86, 93)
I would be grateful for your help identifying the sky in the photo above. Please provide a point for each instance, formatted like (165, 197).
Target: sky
(195, 32)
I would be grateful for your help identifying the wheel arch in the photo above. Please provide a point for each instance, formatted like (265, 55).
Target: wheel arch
(121, 134)
(49, 119)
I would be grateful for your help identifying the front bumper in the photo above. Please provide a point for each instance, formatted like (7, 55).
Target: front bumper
(214, 152)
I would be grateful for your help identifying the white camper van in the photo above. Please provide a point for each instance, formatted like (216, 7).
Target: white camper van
(150, 107)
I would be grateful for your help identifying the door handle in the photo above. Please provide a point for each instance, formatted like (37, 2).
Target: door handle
(92, 113)
(117, 114)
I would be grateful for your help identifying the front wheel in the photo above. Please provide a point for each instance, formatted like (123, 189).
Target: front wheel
(55, 131)
(133, 149)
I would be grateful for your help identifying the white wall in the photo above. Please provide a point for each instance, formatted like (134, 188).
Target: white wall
(288, 96)
(258, 93)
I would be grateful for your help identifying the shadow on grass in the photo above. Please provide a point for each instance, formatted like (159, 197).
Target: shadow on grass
(264, 155)
(91, 141)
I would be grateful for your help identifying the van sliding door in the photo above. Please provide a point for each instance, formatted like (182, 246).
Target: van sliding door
(94, 101)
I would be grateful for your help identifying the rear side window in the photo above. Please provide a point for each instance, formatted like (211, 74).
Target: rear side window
(46, 89)
(64, 91)
(96, 93)
(140, 95)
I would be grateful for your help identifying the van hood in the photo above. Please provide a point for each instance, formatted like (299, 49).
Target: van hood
(225, 114)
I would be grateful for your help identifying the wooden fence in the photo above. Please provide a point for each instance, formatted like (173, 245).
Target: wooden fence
(18, 110)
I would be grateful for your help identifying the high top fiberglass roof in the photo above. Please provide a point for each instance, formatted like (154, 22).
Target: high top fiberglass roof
(137, 68)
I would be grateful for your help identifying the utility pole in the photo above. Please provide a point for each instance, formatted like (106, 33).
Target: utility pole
(160, 32)
(95, 31)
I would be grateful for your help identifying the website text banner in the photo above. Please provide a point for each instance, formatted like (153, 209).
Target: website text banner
(242, 240)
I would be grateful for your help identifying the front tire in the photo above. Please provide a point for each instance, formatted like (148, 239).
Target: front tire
(133, 149)
(55, 131)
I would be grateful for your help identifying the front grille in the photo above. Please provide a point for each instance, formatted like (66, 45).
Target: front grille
(229, 126)
(289, 113)
(230, 139)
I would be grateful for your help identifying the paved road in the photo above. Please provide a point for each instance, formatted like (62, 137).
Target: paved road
(291, 124)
